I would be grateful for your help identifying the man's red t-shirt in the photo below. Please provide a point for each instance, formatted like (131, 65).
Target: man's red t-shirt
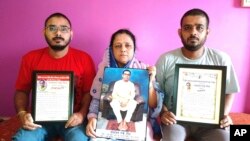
(75, 60)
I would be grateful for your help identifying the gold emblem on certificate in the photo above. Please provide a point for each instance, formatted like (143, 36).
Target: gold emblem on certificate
(200, 93)
(52, 96)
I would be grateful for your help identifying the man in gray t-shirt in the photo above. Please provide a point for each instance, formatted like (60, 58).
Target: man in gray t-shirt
(193, 33)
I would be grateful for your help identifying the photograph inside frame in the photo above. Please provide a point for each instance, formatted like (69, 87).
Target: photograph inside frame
(123, 104)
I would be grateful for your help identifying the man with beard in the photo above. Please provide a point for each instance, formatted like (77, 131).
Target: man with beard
(193, 33)
(58, 56)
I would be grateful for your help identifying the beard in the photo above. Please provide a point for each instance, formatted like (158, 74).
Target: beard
(192, 46)
(57, 47)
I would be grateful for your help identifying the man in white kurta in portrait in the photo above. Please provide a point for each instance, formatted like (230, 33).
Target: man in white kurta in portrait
(123, 99)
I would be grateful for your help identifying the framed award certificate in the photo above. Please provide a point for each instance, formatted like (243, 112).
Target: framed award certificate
(199, 93)
(52, 96)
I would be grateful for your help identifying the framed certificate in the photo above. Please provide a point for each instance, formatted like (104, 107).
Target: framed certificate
(52, 96)
(199, 93)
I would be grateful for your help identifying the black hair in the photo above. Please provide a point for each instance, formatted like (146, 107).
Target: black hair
(121, 31)
(57, 15)
(195, 12)
(127, 71)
